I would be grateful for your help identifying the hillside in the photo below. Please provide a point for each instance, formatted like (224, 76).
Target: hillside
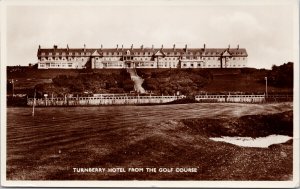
(157, 81)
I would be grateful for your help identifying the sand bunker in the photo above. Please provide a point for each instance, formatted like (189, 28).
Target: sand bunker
(260, 142)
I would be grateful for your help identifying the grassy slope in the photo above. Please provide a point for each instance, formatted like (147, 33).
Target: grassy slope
(209, 80)
(169, 81)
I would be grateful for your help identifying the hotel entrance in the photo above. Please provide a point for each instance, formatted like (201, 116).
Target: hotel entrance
(129, 64)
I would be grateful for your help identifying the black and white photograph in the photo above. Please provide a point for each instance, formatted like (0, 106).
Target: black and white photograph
(165, 93)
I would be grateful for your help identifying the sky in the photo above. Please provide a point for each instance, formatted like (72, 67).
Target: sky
(265, 30)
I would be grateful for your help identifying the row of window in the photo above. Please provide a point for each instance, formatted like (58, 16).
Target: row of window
(199, 65)
(63, 58)
(64, 54)
(48, 65)
(139, 58)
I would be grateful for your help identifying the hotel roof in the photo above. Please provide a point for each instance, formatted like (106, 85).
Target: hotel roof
(235, 52)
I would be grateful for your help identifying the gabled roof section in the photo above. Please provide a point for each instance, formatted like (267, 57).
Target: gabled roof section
(96, 53)
(159, 53)
(226, 53)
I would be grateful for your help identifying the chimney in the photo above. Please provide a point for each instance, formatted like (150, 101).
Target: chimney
(174, 47)
(84, 47)
(185, 47)
(131, 46)
(55, 46)
(142, 47)
(204, 46)
(238, 47)
(122, 47)
(39, 47)
(152, 47)
(228, 47)
(67, 47)
(162, 46)
(101, 46)
(117, 47)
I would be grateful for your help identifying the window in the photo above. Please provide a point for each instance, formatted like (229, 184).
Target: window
(57, 53)
(184, 65)
(192, 64)
(70, 53)
(43, 54)
(50, 53)
(199, 65)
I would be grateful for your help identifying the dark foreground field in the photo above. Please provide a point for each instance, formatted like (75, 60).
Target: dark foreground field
(56, 140)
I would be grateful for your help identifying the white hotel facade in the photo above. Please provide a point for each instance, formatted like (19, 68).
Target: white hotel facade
(119, 57)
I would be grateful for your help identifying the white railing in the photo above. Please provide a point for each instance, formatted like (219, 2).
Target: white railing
(102, 100)
(230, 98)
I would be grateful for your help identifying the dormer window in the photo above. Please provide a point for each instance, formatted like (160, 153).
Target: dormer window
(128, 52)
(50, 53)
(57, 53)
(43, 54)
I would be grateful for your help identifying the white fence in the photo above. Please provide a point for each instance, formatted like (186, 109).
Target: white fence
(231, 98)
(102, 100)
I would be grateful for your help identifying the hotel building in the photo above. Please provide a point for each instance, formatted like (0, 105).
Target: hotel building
(119, 57)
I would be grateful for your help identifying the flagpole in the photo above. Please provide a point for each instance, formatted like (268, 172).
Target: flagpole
(33, 103)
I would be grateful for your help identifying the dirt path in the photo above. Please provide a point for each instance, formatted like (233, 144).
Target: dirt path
(138, 81)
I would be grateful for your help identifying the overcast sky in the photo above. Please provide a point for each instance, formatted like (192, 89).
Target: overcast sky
(266, 31)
